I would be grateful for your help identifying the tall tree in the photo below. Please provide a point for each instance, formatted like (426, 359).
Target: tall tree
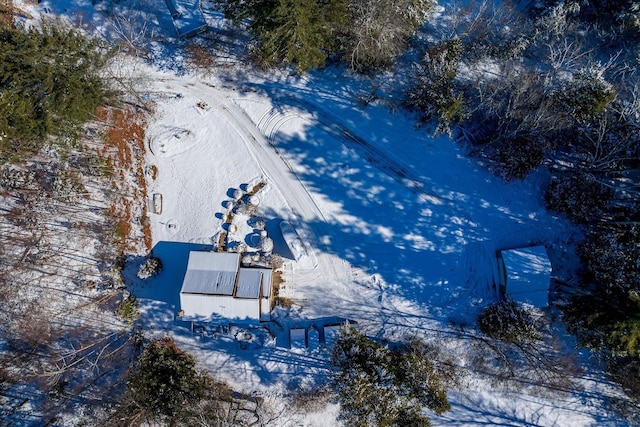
(49, 84)
(377, 386)
(298, 37)
(380, 30)
(300, 33)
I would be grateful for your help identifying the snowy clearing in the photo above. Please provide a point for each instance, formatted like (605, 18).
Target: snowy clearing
(400, 229)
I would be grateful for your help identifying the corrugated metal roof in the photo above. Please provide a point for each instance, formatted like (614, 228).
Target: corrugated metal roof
(528, 275)
(249, 282)
(266, 281)
(212, 273)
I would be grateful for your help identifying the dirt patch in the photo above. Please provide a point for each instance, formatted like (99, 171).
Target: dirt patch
(256, 188)
(276, 281)
(7, 13)
(124, 150)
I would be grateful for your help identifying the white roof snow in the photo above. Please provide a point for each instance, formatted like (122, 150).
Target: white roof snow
(266, 281)
(187, 16)
(211, 273)
(249, 281)
(528, 275)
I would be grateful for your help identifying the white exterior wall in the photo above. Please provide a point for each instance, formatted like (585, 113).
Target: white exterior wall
(203, 306)
(265, 308)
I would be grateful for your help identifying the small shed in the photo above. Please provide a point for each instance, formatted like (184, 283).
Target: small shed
(216, 285)
(525, 275)
(187, 17)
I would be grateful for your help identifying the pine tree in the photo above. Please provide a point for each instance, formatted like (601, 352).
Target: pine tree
(298, 37)
(165, 382)
(300, 33)
(49, 84)
(379, 386)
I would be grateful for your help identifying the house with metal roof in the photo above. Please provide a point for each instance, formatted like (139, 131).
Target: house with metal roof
(525, 275)
(215, 285)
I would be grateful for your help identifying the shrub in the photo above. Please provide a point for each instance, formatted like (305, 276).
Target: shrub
(128, 308)
(509, 321)
(199, 58)
(585, 96)
(432, 92)
(379, 31)
(150, 268)
(307, 400)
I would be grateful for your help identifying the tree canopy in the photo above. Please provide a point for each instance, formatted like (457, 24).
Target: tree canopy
(369, 34)
(291, 32)
(50, 83)
(378, 386)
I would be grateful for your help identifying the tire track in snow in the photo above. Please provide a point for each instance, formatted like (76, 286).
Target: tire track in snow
(381, 159)
(377, 157)
(270, 163)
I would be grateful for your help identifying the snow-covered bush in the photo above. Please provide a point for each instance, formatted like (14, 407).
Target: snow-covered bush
(493, 29)
(315, 399)
(616, 15)
(555, 20)
(245, 209)
(266, 244)
(433, 93)
(150, 268)
(508, 321)
(259, 224)
(128, 308)
(237, 247)
(380, 30)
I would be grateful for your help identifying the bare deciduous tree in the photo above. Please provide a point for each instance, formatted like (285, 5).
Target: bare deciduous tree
(380, 29)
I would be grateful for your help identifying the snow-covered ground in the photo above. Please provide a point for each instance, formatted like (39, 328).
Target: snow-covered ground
(400, 228)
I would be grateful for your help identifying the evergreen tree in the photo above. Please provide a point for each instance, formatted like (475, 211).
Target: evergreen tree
(50, 84)
(301, 33)
(298, 37)
(377, 386)
(166, 388)
(165, 382)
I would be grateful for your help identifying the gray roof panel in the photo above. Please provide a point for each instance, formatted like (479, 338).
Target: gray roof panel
(211, 273)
